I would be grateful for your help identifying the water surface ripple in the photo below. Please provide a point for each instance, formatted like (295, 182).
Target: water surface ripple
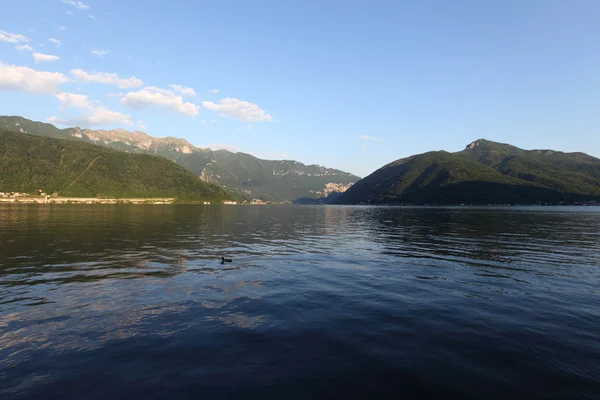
(121, 302)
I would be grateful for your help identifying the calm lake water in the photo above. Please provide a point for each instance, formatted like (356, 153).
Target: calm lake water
(131, 302)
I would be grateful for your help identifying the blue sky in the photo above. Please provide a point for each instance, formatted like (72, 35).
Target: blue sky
(345, 84)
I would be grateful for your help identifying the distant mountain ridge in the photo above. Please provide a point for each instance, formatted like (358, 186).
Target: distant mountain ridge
(68, 168)
(242, 174)
(485, 172)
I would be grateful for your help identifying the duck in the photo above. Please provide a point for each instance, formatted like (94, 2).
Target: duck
(225, 260)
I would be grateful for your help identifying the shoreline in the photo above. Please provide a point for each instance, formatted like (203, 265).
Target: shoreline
(85, 200)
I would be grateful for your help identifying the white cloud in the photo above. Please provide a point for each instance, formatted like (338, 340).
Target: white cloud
(98, 116)
(77, 4)
(367, 137)
(73, 100)
(277, 155)
(186, 92)
(155, 97)
(69, 12)
(228, 147)
(62, 28)
(39, 57)
(213, 90)
(120, 94)
(91, 16)
(242, 110)
(100, 53)
(141, 124)
(106, 79)
(55, 41)
(247, 128)
(12, 37)
(24, 47)
(31, 30)
(13, 77)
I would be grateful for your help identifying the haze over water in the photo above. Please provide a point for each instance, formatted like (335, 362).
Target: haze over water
(112, 302)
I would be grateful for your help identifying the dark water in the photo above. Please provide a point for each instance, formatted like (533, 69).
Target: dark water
(129, 302)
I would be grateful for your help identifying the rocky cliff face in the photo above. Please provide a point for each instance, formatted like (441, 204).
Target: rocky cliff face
(332, 187)
(137, 139)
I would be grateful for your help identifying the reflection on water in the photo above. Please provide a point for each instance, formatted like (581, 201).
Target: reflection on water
(132, 301)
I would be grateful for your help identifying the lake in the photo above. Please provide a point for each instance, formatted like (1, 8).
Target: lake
(131, 302)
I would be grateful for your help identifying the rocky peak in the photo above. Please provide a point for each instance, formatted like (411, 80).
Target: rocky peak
(137, 139)
(489, 145)
(474, 145)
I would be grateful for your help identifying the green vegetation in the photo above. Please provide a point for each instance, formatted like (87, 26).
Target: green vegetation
(484, 173)
(72, 169)
(242, 175)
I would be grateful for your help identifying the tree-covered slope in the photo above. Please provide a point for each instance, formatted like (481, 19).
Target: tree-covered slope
(563, 172)
(486, 172)
(239, 173)
(426, 178)
(67, 168)
(24, 125)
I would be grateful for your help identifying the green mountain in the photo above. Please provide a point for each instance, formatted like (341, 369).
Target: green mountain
(241, 174)
(67, 168)
(484, 173)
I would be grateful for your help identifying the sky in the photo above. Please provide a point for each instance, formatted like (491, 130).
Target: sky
(347, 84)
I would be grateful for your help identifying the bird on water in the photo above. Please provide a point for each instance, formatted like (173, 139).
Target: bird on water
(225, 260)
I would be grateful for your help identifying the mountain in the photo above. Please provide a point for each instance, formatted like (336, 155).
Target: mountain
(67, 168)
(485, 172)
(241, 174)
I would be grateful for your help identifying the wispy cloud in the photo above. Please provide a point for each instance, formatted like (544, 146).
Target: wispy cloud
(24, 79)
(73, 100)
(24, 47)
(13, 37)
(245, 128)
(106, 78)
(277, 154)
(213, 90)
(91, 17)
(186, 92)
(367, 137)
(57, 26)
(100, 53)
(141, 124)
(55, 41)
(77, 4)
(153, 97)
(228, 147)
(238, 109)
(69, 12)
(97, 117)
(40, 57)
